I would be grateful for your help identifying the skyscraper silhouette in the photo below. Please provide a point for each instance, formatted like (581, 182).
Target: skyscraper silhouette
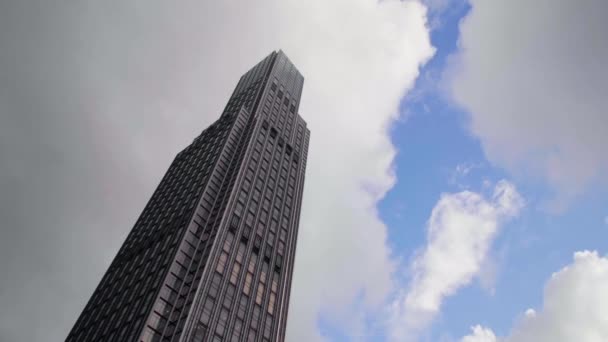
(211, 256)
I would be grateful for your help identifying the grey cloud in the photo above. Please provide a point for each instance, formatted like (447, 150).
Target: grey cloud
(532, 76)
(97, 97)
(92, 112)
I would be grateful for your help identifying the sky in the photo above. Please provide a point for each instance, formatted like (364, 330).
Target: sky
(456, 187)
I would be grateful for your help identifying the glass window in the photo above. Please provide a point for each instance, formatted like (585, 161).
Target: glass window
(275, 281)
(264, 272)
(249, 219)
(215, 284)
(267, 327)
(255, 316)
(260, 294)
(150, 335)
(240, 253)
(242, 307)
(260, 228)
(247, 286)
(221, 323)
(235, 273)
(207, 309)
(271, 301)
(228, 241)
(238, 209)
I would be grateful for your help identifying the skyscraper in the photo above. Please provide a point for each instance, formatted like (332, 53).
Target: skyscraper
(211, 256)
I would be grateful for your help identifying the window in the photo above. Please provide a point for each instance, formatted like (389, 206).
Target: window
(277, 263)
(253, 206)
(172, 280)
(243, 196)
(239, 209)
(238, 324)
(263, 215)
(255, 316)
(264, 272)
(222, 262)
(273, 225)
(246, 185)
(228, 242)
(260, 228)
(271, 301)
(283, 235)
(221, 324)
(240, 253)
(200, 333)
(267, 327)
(247, 286)
(263, 173)
(156, 321)
(249, 219)
(168, 294)
(252, 262)
(259, 184)
(266, 204)
(229, 296)
(207, 309)
(275, 280)
(275, 214)
(234, 223)
(242, 307)
(235, 273)
(150, 335)
(246, 231)
(260, 294)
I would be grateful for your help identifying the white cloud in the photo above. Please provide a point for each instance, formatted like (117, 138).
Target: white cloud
(461, 230)
(536, 90)
(480, 334)
(530, 313)
(98, 97)
(575, 306)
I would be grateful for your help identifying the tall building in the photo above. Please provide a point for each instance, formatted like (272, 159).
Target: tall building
(211, 257)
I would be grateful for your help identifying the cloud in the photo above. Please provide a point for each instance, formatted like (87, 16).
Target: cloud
(460, 232)
(536, 90)
(575, 307)
(480, 334)
(97, 97)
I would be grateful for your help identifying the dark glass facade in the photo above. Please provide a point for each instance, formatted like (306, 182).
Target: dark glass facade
(211, 257)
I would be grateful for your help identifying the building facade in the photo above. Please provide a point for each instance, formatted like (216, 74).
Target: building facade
(211, 256)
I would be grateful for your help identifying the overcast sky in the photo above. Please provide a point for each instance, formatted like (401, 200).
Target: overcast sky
(456, 183)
